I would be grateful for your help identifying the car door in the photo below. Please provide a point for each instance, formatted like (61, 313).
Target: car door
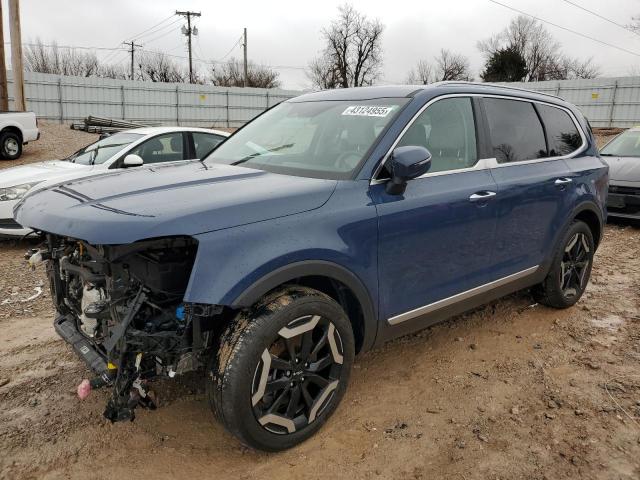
(534, 183)
(436, 240)
(168, 147)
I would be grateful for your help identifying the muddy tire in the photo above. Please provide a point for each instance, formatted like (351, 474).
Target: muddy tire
(281, 368)
(570, 268)
(10, 145)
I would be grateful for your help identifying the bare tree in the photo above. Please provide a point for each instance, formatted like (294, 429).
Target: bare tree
(52, 59)
(564, 68)
(352, 56)
(158, 67)
(541, 52)
(323, 73)
(231, 74)
(422, 74)
(452, 66)
(115, 71)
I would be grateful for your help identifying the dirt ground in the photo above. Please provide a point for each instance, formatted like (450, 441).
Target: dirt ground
(511, 390)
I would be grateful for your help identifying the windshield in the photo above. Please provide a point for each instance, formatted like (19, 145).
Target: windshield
(326, 139)
(626, 144)
(102, 150)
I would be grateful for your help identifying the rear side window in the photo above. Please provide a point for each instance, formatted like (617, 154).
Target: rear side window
(204, 143)
(516, 131)
(562, 134)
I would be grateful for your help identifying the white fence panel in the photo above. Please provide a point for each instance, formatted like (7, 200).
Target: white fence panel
(70, 99)
(606, 102)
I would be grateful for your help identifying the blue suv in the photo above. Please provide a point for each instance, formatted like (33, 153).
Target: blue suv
(328, 225)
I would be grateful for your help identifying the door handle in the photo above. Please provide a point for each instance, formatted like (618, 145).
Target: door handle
(479, 196)
(562, 181)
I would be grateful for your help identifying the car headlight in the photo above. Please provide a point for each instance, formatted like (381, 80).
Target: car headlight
(16, 192)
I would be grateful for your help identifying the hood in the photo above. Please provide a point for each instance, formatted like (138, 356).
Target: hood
(38, 172)
(625, 169)
(156, 201)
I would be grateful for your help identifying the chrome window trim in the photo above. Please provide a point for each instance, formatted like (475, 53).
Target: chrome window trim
(490, 161)
(458, 297)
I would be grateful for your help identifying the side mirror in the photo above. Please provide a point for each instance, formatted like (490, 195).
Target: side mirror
(407, 163)
(132, 160)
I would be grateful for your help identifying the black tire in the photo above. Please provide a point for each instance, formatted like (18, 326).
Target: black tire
(239, 390)
(567, 279)
(10, 145)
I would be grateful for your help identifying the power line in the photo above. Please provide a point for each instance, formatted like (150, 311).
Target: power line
(162, 35)
(231, 49)
(214, 62)
(566, 29)
(164, 27)
(70, 47)
(602, 17)
(151, 28)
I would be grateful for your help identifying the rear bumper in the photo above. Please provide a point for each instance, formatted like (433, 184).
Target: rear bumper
(623, 202)
(66, 327)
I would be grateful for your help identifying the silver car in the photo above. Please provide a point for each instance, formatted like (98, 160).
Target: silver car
(125, 149)
(623, 156)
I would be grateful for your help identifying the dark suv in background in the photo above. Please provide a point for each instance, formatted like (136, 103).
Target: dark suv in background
(331, 223)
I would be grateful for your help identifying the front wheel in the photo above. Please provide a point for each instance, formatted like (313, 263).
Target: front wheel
(281, 369)
(570, 269)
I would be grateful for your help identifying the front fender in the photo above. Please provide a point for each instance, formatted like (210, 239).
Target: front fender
(236, 266)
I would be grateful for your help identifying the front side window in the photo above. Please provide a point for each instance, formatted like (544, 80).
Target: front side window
(204, 143)
(516, 131)
(321, 139)
(562, 134)
(102, 150)
(163, 148)
(447, 129)
(626, 144)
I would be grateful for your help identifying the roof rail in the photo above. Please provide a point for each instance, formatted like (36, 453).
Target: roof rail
(495, 85)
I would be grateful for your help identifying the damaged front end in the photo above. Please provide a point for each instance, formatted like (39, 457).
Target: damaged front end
(121, 308)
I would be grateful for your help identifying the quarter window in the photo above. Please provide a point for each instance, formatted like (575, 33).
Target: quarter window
(447, 129)
(562, 134)
(516, 131)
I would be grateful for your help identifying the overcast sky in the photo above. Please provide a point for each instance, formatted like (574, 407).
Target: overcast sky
(286, 34)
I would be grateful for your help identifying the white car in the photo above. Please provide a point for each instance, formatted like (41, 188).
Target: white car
(16, 129)
(124, 149)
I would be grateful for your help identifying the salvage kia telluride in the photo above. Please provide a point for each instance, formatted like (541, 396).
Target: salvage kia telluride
(329, 224)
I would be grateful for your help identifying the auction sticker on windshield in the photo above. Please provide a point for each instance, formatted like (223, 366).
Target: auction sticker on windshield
(368, 110)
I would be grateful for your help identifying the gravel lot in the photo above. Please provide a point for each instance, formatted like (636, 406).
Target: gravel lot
(511, 390)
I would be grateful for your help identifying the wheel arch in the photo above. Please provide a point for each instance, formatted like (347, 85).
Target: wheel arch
(330, 278)
(589, 215)
(13, 129)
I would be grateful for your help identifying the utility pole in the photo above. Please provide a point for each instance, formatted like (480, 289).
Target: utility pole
(16, 55)
(133, 46)
(189, 31)
(4, 95)
(244, 47)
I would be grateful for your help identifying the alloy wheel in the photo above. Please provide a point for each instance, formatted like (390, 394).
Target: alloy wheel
(574, 265)
(297, 375)
(11, 146)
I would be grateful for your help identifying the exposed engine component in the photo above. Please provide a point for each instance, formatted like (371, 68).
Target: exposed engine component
(121, 308)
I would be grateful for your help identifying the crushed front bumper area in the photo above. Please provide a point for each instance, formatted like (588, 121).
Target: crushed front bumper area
(121, 309)
(66, 327)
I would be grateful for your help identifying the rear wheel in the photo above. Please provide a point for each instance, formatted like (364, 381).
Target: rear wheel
(281, 370)
(10, 145)
(570, 269)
